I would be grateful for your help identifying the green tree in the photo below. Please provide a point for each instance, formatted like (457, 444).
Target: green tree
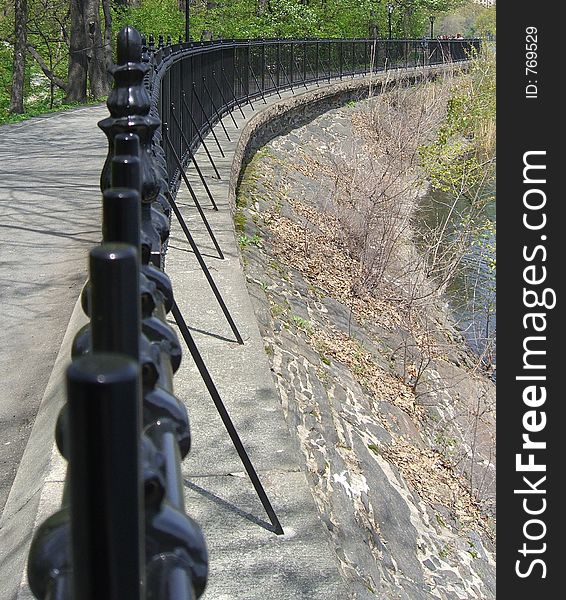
(485, 25)
(68, 44)
(154, 16)
(19, 60)
(70, 41)
(284, 18)
(470, 19)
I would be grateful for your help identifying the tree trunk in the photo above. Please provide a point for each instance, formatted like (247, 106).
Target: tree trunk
(19, 64)
(408, 22)
(88, 56)
(107, 39)
(96, 55)
(207, 34)
(46, 70)
(373, 29)
(77, 54)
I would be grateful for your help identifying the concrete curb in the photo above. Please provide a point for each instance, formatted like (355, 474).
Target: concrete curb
(30, 486)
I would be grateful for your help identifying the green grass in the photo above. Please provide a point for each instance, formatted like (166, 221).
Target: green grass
(374, 448)
(39, 99)
(245, 240)
(277, 310)
(239, 220)
(301, 323)
(472, 550)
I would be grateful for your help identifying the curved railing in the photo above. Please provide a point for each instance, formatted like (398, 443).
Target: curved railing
(193, 85)
(122, 531)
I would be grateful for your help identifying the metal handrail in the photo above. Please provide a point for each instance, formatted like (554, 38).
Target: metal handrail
(220, 75)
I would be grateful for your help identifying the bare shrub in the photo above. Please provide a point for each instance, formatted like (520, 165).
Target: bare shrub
(377, 182)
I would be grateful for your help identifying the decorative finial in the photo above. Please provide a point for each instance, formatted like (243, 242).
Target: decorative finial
(145, 51)
(129, 46)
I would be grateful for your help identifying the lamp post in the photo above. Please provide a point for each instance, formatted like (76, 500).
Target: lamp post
(432, 18)
(389, 13)
(187, 20)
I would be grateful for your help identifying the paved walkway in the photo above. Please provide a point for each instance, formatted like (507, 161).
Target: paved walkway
(49, 218)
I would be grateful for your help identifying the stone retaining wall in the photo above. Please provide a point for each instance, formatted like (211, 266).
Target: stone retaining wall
(281, 117)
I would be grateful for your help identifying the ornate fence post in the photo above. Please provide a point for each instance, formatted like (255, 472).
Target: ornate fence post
(122, 531)
(129, 107)
(105, 480)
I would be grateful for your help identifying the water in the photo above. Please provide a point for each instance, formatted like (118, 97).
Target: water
(471, 294)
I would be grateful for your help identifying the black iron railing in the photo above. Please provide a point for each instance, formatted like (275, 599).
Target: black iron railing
(122, 531)
(193, 85)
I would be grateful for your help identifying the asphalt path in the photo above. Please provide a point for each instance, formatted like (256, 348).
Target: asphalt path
(49, 219)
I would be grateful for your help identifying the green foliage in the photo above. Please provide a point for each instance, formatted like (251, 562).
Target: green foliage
(438, 6)
(48, 27)
(471, 20)
(450, 165)
(152, 16)
(245, 240)
(48, 22)
(485, 25)
(485, 241)
(301, 323)
(248, 19)
(287, 18)
(239, 220)
(456, 160)
(6, 54)
(374, 449)
(461, 163)
(38, 99)
(42, 108)
(472, 549)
